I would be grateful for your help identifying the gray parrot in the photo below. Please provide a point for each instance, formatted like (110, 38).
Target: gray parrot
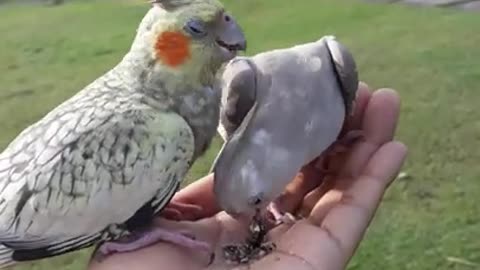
(280, 110)
(100, 166)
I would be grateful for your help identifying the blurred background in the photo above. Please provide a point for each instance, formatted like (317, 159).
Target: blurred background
(431, 215)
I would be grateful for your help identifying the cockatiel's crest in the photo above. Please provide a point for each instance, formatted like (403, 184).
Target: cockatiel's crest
(200, 5)
(187, 37)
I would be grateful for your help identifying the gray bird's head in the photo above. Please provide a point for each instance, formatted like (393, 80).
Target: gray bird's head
(244, 192)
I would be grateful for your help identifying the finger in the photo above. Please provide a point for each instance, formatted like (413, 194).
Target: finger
(182, 211)
(309, 178)
(381, 116)
(171, 214)
(312, 198)
(379, 126)
(363, 97)
(306, 180)
(200, 193)
(331, 243)
(349, 217)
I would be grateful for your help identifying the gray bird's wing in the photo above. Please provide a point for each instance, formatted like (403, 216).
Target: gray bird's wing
(238, 94)
(83, 168)
(239, 86)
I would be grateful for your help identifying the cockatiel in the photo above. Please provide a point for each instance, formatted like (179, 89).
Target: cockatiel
(100, 166)
(280, 110)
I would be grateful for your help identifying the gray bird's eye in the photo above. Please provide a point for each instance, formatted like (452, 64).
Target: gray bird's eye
(195, 28)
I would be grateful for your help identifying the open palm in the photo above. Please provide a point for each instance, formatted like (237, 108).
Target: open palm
(337, 209)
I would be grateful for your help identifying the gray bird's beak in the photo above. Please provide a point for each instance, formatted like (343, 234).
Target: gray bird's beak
(230, 37)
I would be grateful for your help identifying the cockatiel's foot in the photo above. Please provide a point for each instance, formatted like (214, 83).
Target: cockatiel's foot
(181, 211)
(279, 217)
(136, 242)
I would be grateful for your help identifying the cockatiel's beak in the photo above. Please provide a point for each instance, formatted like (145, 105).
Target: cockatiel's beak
(230, 37)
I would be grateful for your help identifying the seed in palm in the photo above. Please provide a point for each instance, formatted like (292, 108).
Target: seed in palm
(254, 248)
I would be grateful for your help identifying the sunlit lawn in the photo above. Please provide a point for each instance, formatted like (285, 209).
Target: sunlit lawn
(430, 56)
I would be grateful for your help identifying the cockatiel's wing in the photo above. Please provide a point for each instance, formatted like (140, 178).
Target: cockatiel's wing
(64, 180)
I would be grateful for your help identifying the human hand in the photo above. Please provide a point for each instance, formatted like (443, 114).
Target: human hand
(337, 209)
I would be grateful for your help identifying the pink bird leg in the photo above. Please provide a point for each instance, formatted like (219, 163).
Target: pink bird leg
(181, 238)
(174, 211)
(285, 218)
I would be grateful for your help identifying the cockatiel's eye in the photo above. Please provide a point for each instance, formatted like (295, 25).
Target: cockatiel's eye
(195, 28)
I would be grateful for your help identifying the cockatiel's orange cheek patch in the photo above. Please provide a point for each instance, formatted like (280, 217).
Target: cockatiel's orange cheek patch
(172, 48)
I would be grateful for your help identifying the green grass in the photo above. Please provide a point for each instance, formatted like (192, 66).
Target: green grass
(430, 56)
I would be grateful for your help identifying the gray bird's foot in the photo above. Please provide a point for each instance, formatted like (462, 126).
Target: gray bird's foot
(181, 238)
(339, 147)
(181, 211)
(349, 139)
(279, 217)
(345, 142)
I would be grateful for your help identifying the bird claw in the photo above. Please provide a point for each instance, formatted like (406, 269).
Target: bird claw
(279, 217)
(180, 238)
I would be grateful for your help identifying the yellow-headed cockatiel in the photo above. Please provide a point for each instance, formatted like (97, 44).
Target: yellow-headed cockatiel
(99, 167)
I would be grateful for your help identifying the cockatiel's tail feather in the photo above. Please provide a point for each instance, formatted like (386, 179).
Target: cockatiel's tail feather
(6, 257)
(44, 248)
